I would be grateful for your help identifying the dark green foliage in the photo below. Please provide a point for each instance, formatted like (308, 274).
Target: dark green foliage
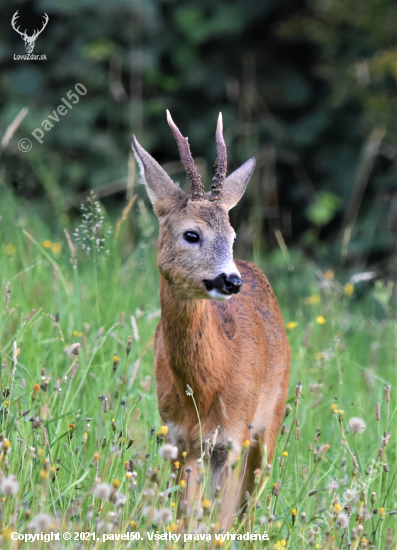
(302, 86)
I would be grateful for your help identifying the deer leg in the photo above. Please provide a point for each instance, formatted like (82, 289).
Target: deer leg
(229, 483)
(274, 425)
(253, 460)
(189, 494)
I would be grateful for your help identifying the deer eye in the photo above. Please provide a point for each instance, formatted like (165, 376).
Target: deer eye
(191, 237)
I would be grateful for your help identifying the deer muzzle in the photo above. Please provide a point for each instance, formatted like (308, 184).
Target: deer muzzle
(224, 284)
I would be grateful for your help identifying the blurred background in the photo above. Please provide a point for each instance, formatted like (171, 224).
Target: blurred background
(307, 87)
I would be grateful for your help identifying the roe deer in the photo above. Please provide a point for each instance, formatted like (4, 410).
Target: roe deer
(221, 331)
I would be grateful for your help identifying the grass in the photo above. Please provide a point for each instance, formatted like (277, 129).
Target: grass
(80, 430)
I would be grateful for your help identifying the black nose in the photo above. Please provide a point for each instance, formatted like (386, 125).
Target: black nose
(233, 283)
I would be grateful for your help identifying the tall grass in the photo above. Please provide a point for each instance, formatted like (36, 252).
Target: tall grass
(81, 440)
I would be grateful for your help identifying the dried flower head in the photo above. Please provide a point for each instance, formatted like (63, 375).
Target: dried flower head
(165, 515)
(42, 522)
(119, 500)
(9, 486)
(342, 521)
(74, 349)
(357, 425)
(364, 514)
(168, 452)
(333, 486)
(103, 491)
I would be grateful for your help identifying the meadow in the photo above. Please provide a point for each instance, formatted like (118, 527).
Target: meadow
(82, 446)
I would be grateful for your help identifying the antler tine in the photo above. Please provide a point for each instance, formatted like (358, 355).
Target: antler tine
(187, 161)
(13, 24)
(221, 164)
(39, 31)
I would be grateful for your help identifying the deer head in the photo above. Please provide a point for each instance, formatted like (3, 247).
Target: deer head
(196, 239)
(29, 40)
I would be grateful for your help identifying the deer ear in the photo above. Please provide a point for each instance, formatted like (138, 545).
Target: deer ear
(234, 185)
(159, 185)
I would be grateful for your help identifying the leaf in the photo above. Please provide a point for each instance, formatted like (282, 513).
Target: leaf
(323, 209)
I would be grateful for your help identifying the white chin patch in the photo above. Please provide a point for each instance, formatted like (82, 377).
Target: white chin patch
(216, 295)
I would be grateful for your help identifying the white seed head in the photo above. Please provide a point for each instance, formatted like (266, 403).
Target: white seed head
(357, 425)
(9, 486)
(168, 452)
(74, 349)
(103, 491)
(42, 522)
(343, 521)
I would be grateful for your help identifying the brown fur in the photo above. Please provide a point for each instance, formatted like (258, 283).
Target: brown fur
(233, 354)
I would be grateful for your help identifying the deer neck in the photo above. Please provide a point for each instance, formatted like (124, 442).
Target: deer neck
(192, 343)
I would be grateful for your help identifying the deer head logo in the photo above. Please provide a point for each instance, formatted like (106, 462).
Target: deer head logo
(30, 41)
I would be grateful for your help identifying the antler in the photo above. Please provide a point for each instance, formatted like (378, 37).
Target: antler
(36, 33)
(13, 23)
(187, 161)
(221, 164)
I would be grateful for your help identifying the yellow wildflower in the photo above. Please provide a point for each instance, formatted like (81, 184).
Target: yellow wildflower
(334, 406)
(247, 443)
(176, 464)
(312, 300)
(320, 320)
(115, 362)
(10, 249)
(116, 482)
(329, 274)
(56, 248)
(44, 474)
(6, 534)
(182, 483)
(184, 454)
(348, 289)
(97, 456)
(337, 507)
(162, 431)
(285, 453)
(75, 333)
(133, 524)
(206, 504)
(47, 244)
(18, 351)
(219, 542)
(382, 513)
(291, 325)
